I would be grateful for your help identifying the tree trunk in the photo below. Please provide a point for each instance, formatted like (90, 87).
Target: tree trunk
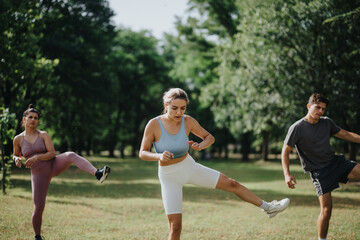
(134, 147)
(245, 147)
(63, 146)
(3, 166)
(111, 150)
(122, 149)
(113, 134)
(88, 147)
(135, 144)
(6, 152)
(80, 145)
(226, 151)
(138, 136)
(265, 146)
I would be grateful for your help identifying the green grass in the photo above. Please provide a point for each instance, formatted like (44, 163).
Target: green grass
(128, 205)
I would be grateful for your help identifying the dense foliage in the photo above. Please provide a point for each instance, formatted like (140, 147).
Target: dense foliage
(248, 66)
(7, 132)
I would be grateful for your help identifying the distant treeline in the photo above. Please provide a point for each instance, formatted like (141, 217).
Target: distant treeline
(248, 67)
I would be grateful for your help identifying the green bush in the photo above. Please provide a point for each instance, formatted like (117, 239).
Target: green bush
(7, 132)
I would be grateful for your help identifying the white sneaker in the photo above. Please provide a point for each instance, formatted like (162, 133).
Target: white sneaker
(276, 207)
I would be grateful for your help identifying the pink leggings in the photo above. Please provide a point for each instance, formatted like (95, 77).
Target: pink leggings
(41, 174)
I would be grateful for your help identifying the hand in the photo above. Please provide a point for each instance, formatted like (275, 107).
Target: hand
(30, 162)
(290, 181)
(195, 145)
(166, 156)
(17, 161)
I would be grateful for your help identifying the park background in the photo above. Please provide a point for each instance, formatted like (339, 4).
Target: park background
(249, 68)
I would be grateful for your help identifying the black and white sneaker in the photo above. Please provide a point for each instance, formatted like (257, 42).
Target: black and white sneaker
(38, 237)
(102, 173)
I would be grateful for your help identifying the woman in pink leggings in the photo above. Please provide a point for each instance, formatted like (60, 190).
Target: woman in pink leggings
(37, 148)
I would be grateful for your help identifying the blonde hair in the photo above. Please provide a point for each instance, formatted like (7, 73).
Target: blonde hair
(172, 94)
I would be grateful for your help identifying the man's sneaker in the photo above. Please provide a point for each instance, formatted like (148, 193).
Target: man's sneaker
(102, 173)
(38, 237)
(276, 207)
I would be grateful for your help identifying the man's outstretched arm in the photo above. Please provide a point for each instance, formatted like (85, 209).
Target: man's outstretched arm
(348, 136)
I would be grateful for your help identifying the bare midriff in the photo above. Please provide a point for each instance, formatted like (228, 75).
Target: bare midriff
(173, 161)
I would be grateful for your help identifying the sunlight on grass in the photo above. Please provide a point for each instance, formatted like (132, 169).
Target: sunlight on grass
(128, 205)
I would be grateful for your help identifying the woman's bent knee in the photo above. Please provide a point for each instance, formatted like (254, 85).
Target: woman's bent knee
(70, 154)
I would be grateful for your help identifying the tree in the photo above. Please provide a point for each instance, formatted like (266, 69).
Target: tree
(244, 97)
(79, 34)
(320, 39)
(140, 78)
(194, 59)
(24, 72)
(284, 51)
(7, 133)
(221, 17)
(345, 60)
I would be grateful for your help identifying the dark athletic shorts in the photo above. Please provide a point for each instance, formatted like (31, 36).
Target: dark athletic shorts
(327, 179)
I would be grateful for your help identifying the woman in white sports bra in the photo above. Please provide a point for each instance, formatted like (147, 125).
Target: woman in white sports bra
(168, 133)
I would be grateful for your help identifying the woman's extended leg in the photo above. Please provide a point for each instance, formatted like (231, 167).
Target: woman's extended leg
(64, 160)
(207, 177)
(271, 209)
(230, 185)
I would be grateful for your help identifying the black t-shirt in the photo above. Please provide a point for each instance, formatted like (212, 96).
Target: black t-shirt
(312, 142)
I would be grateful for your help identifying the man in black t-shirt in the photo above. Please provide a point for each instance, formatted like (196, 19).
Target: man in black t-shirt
(311, 138)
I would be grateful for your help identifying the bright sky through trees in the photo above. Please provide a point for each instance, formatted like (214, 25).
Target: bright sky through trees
(158, 16)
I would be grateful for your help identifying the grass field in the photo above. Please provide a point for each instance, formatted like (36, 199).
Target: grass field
(128, 205)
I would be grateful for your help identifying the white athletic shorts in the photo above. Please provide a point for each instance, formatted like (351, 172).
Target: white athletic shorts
(173, 177)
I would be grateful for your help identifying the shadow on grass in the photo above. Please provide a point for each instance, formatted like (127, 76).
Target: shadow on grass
(133, 178)
(96, 190)
(65, 202)
(351, 188)
(191, 193)
(135, 169)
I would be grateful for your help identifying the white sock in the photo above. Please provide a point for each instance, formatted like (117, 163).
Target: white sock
(264, 205)
(322, 238)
